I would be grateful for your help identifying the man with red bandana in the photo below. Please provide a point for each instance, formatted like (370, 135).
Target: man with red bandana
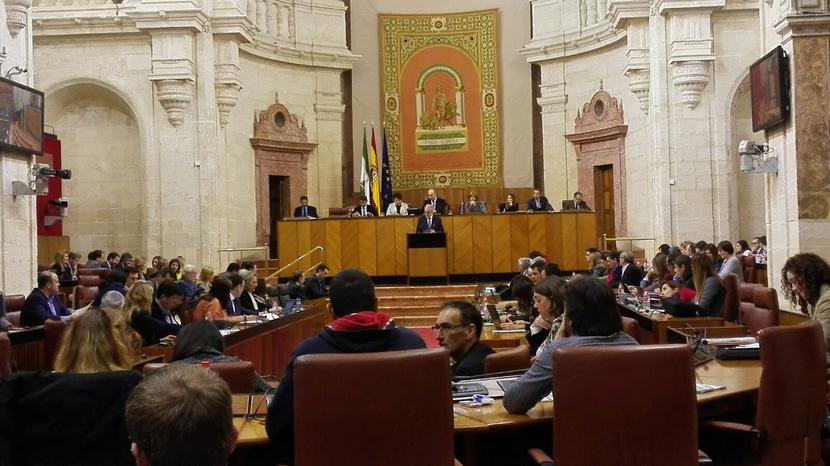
(358, 328)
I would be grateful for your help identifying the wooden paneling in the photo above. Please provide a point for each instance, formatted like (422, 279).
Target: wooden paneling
(304, 243)
(47, 246)
(462, 244)
(482, 244)
(385, 246)
(428, 262)
(476, 244)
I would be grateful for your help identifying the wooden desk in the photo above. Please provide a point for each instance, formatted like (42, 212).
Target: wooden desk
(476, 244)
(502, 340)
(654, 326)
(679, 335)
(27, 349)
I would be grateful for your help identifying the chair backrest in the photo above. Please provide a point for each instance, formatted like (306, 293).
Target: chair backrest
(791, 397)
(89, 280)
(401, 400)
(52, 335)
(14, 302)
(339, 211)
(83, 295)
(514, 359)
(239, 375)
(14, 318)
(748, 265)
(637, 402)
(100, 272)
(632, 328)
(5, 354)
(732, 301)
(763, 312)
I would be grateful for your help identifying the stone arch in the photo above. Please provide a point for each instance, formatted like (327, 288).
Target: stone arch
(103, 143)
(748, 189)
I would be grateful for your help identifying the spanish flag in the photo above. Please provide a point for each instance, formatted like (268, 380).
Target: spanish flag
(374, 198)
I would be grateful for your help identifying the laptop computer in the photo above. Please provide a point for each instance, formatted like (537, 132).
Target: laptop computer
(496, 320)
(292, 306)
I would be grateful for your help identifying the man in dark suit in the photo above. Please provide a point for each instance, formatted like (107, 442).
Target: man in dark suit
(576, 204)
(438, 205)
(169, 297)
(630, 274)
(539, 203)
(315, 287)
(42, 304)
(112, 261)
(429, 222)
(305, 210)
(364, 209)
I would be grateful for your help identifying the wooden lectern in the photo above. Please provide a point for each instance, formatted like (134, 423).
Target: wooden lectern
(427, 254)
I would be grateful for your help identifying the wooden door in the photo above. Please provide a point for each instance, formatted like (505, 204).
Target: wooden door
(278, 208)
(604, 192)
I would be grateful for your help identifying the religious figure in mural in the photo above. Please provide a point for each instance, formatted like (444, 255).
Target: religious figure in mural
(443, 112)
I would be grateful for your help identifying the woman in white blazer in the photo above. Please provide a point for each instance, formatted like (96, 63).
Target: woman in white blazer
(398, 207)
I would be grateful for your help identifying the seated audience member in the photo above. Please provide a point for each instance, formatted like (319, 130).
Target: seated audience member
(473, 206)
(700, 247)
(805, 282)
(538, 270)
(664, 248)
(712, 252)
(42, 304)
(731, 263)
(712, 291)
(357, 328)
(630, 274)
(133, 275)
(551, 269)
(520, 308)
(251, 301)
(212, 306)
(539, 203)
(509, 205)
(613, 269)
(92, 344)
(125, 261)
(140, 265)
(169, 296)
(549, 302)
(114, 304)
(138, 306)
(155, 262)
(95, 259)
(458, 330)
(116, 281)
(249, 265)
(188, 281)
(439, 205)
(683, 271)
(658, 274)
(204, 281)
(398, 206)
(742, 248)
(576, 203)
(112, 260)
(687, 248)
(315, 286)
(235, 307)
(591, 319)
(175, 269)
(305, 210)
(596, 266)
(5, 325)
(181, 415)
(669, 289)
(233, 267)
(295, 288)
(429, 222)
(759, 249)
(66, 266)
(363, 209)
(201, 341)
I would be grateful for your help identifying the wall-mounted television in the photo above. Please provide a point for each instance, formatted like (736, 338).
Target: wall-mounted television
(769, 82)
(21, 118)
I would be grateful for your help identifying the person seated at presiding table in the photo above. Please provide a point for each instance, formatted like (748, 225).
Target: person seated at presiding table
(591, 319)
(92, 344)
(201, 341)
(438, 204)
(357, 328)
(429, 222)
(539, 203)
(364, 209)
(398, 206)
(138, 306)
(509, 204)
(212, 306)
(305, 210)
(575, 204)
(181, 415)
(42, 304)
(473, 205)
(458, 329)
(805, 282)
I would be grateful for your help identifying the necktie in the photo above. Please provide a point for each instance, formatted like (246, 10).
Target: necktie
(305, 211)
(51, 307)
(363, 211)
(429, 222)
(538, 204)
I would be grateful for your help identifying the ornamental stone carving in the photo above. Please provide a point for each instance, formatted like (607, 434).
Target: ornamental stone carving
(17, 12)
(227, 96)
(175, 96)
(690, 79)
(638, 83)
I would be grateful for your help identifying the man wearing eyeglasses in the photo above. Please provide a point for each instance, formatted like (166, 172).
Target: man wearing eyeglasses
(458, 330)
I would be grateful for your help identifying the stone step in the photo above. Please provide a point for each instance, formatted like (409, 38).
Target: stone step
(434, 301)
(414, 321)
(413, 310)
(425, 290)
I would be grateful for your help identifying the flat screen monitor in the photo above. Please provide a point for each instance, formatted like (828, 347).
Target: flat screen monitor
(770, 89)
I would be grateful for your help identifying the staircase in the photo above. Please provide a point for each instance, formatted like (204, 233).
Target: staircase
(418, 306)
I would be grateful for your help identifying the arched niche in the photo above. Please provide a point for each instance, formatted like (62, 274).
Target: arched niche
(599, 140)
(281, 149)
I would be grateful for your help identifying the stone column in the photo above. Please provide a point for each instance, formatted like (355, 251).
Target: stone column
(558, 164)
(325, 173)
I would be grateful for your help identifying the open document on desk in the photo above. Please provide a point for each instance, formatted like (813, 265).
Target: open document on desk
(496, 386)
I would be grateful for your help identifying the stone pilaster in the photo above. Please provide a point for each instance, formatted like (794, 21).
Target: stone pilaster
(553, 101)
(326, 177)
(227, 81)
(633, 16)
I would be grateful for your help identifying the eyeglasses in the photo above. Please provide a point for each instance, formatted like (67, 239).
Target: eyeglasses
(445, 327)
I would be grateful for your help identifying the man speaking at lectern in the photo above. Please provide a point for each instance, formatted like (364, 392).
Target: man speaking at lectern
(429, 222)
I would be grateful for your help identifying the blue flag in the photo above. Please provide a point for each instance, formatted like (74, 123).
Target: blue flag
(386, 176)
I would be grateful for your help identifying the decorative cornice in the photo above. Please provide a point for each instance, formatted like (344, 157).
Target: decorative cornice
(17, 15)
(622, 11)
(690, 78)
(175, 96)
(639, 84)
(573, 44)
(260, 47)
(665, 7)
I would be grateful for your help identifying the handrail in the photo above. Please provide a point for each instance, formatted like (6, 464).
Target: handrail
(308, 253)
(606, 239)
(253, 248)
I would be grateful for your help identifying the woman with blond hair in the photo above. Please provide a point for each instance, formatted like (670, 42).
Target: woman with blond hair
(138, 306)
(91, 344)
(204, 281)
